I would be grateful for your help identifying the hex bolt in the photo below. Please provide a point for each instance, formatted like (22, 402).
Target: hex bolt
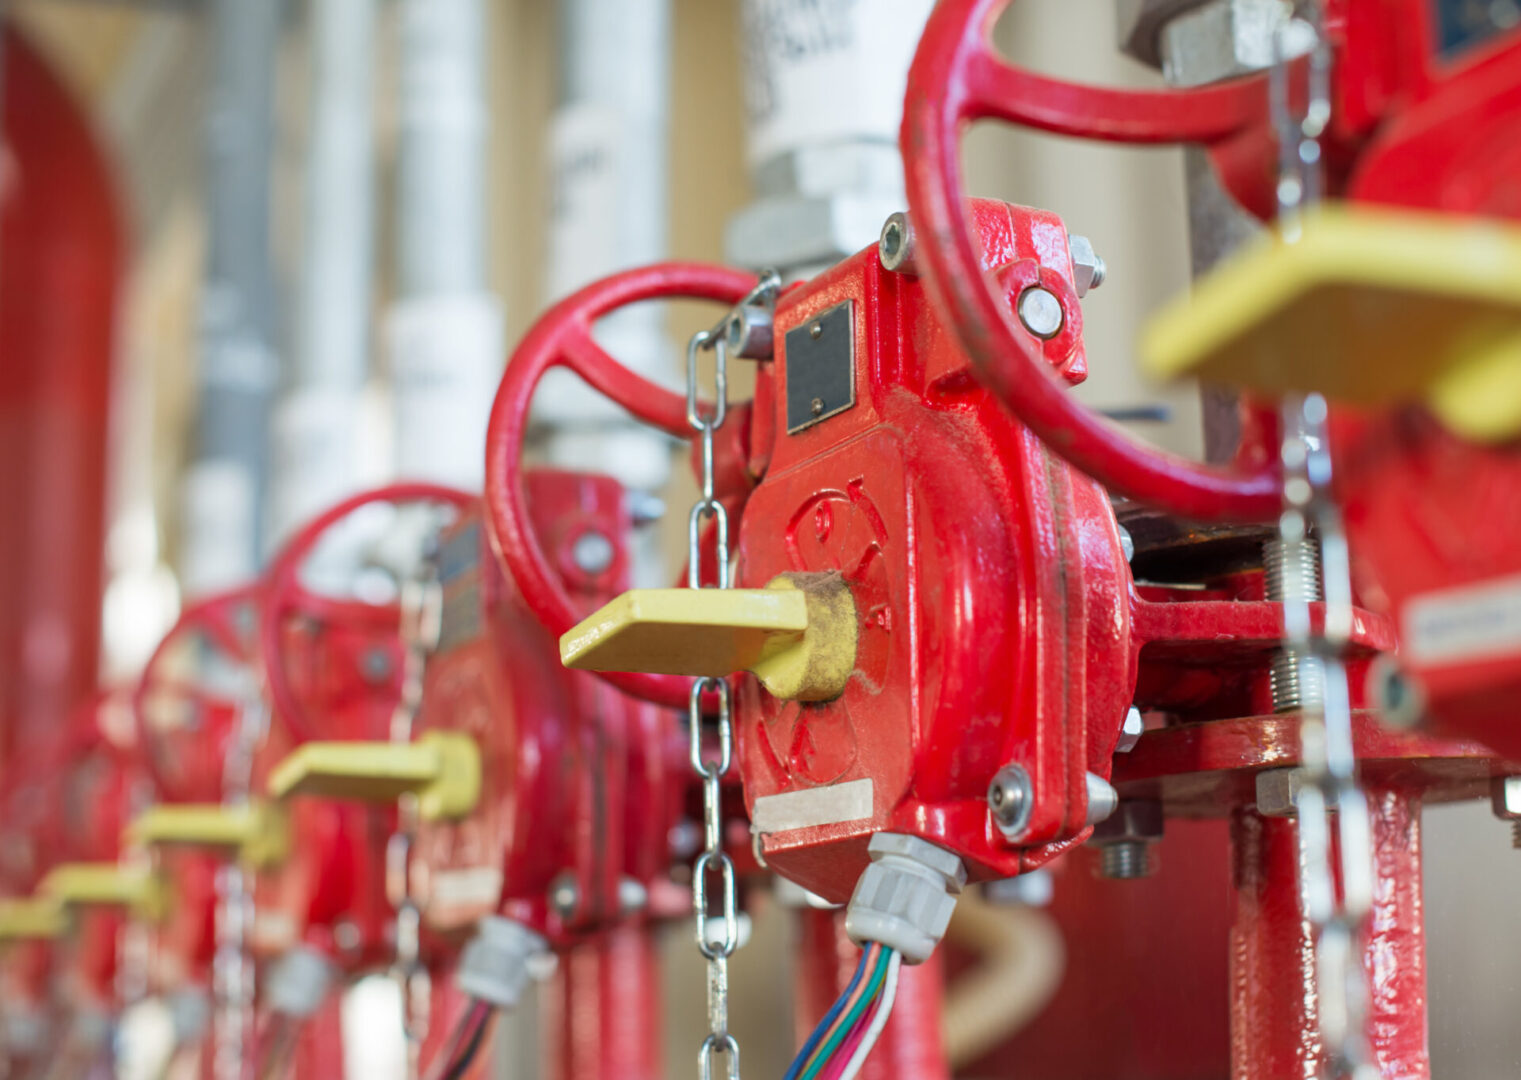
(1010, 799)
(1277, 791)
(1088, 270)
(592, 552)
(895, 248)
(1292, 572)
(1131, 731)
(1124, 839)
(1040, 311)
(1505, 799)
(1102, 798)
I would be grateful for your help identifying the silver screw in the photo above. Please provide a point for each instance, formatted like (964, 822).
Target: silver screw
(895, 249)
(593, 553)
(815, 329)
(1040, 311)
(1127, 860)
(1009, 801)
(564, 895)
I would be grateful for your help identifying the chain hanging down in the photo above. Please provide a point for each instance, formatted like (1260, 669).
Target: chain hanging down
(1311, 526)
(232, 972)
(717, 934)
(421, 619)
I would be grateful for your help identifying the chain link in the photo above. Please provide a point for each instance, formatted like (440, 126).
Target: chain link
(232, 972)
(1311, 517)
(717, 934)
(421, 627)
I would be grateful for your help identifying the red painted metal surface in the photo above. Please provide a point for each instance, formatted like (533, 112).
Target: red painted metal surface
(826, 959)
(1274, 1032)
(62, 235)
(563, 337)
(580, 783)
(601, 1011)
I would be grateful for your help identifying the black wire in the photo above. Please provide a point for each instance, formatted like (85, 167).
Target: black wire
(444, 1062)
(473, 1046)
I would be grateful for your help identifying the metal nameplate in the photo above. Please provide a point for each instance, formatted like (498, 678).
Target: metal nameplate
(821, 367)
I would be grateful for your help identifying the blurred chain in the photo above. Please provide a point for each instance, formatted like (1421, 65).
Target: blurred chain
(1310, 520)
(232, 971)
(717, 934)
(421, 626)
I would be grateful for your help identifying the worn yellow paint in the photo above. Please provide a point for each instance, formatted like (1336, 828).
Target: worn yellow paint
(39, 918)
(1370, 306)
(797, 635)
(257, 833)
(442, 768)
(104, 884)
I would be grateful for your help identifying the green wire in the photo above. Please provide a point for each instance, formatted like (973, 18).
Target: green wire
(847, 1024)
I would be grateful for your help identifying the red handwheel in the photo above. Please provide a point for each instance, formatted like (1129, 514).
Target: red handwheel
(563, 338)
(185, 761)
(956, 79)
(286, 597)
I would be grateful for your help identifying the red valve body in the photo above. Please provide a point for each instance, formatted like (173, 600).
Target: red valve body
(578, 784)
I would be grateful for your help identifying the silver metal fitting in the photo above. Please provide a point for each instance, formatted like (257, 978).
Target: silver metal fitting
(905, 898)
(497, 963)
(1138, 26)
(1040, 312)
(895, 247)
(1278, 791)
(299, 981)
(564, 895)
(1505, 798)
(1223, 39)
(1127, 543)
(1125, 839)
(1131, 732)
(592, 552)
(1102, 798)
(748, 334)
(1010, 800)
(1088, 270)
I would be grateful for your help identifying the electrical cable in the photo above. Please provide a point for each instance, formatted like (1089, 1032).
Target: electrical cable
(828, 1019)
(878, 1021)
(472, 1048)
(445, 1062)
(852, 1015)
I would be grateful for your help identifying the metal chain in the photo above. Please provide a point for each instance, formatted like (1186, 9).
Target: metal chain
(232, 973)
(1328, 769)
(717, 934)
(421, 626)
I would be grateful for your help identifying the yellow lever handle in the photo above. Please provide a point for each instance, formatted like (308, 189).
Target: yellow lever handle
(106, 885)
(443, 768)
(797, 635)
(258, 833)
(32, 919)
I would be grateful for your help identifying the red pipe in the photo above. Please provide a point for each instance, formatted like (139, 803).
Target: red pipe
(826, 959)
(61, 239)
(1274, 1029)
(602, 1009)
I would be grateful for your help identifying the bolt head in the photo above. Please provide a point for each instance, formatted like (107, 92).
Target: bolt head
(593, 552)
(1277, 790)
(1505, 797)
(1131, 731)
(895, 248)
(564, 895)
(1010, 795)
(1040, 312)
(1088, 269)
(1133, 819)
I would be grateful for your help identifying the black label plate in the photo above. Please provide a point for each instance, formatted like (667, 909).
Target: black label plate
(821, 367)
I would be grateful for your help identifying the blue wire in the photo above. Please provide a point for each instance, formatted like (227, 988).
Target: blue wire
(818, 1033)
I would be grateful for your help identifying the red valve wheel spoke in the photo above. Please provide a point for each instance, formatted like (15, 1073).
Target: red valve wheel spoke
(214, 618)
(286, 597)
(562, 338)
(956, 77)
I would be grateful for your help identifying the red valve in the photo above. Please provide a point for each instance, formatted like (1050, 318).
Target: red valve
(185, 764)
(957, 78)
(563, 337)
(285, 595)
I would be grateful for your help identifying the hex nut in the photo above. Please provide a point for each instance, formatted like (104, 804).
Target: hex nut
(1223, 39)
(1088, 269)
(1131, 731)
(1133, 819)
(1505, 797)
(1278, 791)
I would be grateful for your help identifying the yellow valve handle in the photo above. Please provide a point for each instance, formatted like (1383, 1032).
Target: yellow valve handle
(443, 768)
(1370, 306)
(257, 833)
(797, 635)
(107, 885)
(32, 919)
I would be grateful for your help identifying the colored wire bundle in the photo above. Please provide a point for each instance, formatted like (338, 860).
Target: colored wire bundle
(845, 1036)
(464, 1044)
